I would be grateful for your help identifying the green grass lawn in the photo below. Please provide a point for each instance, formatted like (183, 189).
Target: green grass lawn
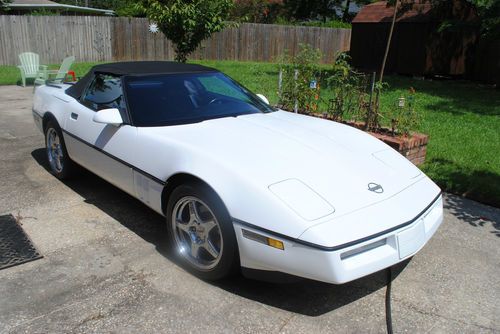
(462, 119)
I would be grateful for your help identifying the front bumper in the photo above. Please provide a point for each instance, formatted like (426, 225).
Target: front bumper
(341, 265)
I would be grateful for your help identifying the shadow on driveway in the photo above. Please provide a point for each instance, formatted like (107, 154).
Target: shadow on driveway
(474, 214)
(305, 297)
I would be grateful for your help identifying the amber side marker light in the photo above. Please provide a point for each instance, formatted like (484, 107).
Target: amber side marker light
(263, 239)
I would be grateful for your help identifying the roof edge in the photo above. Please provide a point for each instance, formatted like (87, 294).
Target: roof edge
(63, 7)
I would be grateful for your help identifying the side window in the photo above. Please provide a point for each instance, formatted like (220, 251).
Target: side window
(104, 92)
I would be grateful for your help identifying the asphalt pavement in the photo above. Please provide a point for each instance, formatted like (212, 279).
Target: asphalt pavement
(106, 267)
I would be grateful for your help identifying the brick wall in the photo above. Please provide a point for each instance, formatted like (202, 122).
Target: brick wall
(414, 148)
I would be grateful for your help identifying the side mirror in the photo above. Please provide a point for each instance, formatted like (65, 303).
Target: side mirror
(263, 98)
(108, 116)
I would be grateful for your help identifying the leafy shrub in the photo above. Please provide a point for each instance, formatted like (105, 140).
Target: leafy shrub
(349, 90)
(299, 73)
(43, 12)
(350, 93)
(327, 24)
(404, 116)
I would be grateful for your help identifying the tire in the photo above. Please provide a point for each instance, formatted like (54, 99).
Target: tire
(201, 233)
(59, 161)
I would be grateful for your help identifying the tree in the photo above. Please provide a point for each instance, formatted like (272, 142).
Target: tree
(310, 9)
(187, 23)
(256, 11)
(3, 4)
(323, 9)
(346, 16)
(487, 11)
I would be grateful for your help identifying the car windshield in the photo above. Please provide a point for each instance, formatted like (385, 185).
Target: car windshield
(171, 99)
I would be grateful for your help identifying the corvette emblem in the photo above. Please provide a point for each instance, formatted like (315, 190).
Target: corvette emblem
(376, 188)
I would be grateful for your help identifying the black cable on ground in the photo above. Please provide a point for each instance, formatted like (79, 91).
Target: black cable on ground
(388, 311)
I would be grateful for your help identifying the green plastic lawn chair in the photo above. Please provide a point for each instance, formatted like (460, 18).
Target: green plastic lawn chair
(30, 66)
(55, 76)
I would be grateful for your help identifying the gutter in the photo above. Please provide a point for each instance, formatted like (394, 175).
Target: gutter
(61, 7)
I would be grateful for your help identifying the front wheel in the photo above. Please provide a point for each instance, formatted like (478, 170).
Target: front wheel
(57, 155)
(201, 232)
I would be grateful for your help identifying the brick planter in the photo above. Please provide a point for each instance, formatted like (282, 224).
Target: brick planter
(414, 148)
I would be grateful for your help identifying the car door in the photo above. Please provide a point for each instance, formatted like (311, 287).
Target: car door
(104, 149)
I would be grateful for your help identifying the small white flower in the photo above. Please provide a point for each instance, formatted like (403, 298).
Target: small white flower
(153, 27)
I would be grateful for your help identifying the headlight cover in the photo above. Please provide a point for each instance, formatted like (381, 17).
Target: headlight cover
(301, 199)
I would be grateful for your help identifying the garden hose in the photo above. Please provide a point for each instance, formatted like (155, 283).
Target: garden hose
(388, 311)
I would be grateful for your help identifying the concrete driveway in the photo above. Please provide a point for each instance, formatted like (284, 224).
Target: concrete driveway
(105, 268)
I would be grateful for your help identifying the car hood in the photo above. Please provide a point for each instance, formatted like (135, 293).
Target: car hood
(315, 167)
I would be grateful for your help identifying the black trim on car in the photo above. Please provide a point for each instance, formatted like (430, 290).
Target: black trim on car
(36, 113)
(52, 84)
(146, 174)
(335, 248)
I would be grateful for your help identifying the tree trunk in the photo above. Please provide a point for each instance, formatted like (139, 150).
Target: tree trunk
(345, 16)
(324, 6)
(180, 55)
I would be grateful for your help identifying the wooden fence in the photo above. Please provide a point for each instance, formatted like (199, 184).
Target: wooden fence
(94, 38)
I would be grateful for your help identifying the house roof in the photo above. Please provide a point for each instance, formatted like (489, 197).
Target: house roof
(47, 4)
(33, 2)
(379, 12)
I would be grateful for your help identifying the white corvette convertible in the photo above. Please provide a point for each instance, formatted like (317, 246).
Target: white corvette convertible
(241, 184)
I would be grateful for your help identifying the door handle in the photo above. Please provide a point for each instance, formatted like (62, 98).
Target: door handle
(74, 116)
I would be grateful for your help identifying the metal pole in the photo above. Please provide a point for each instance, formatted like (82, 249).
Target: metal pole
(296, 106)
(377, 96)
(372, 88)
(369, 116)
(280, 81)
(389, 40)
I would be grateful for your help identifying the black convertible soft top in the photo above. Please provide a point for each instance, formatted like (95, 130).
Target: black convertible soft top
(135, 68)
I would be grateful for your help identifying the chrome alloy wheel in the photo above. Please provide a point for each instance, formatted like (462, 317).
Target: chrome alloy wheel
(54, 150)
(197, 233)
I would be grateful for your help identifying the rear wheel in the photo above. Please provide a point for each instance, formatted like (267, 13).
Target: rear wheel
(57, 155)
(201, 231)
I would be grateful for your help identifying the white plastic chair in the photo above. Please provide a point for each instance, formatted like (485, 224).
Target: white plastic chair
(59, 75)
(30, 66)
